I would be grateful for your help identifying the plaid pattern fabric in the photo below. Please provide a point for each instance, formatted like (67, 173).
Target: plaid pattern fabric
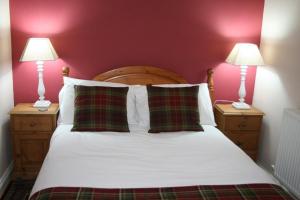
(223, 192)
(100, 109)
(173, 109)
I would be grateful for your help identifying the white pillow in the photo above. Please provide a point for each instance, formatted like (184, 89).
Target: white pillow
(205, 107)
(67, 98)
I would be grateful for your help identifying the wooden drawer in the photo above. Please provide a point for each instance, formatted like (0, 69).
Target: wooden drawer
(31, 133)
(32, 123)
(26, 175)
(30, 151)
(240, 126)
(219, 118)
(244, 141)
(246, 123)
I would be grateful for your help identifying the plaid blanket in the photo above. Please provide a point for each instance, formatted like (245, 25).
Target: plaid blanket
(222, 192)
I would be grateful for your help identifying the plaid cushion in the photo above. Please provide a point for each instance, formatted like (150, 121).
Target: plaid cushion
(173, 109)
(221, 192)
(100, 109)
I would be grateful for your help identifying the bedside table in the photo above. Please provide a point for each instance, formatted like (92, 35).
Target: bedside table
(240, 126)
(31, 132)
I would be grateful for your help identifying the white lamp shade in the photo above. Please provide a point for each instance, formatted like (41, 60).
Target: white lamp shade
(245, 54)
(38, 49)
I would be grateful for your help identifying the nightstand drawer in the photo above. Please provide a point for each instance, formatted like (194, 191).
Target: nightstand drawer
(244, 141)
(247, 123)
(31, 133)
(241, 126)
(32, 123)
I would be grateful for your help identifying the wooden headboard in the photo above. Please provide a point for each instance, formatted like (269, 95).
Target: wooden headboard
(144, 75)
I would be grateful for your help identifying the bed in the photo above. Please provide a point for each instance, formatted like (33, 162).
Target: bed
(139, 165)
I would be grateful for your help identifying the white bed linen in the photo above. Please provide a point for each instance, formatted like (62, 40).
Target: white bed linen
(135, 160)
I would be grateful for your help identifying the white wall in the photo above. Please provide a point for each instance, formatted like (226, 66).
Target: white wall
(278, 84)
(6, 92)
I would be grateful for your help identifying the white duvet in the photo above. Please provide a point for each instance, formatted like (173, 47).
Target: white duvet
(141, 160)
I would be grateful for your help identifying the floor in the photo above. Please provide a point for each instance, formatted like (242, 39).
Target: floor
(18, 190)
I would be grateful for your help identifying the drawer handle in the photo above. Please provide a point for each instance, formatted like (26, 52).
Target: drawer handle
(242, 125)
(32, 124)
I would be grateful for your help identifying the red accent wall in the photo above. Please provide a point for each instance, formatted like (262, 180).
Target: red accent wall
(93, 36)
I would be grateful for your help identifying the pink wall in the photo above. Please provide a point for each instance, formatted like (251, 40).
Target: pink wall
(92, 36)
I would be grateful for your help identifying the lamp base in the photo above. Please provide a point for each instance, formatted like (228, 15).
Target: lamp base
(240, 105)
(42, 105)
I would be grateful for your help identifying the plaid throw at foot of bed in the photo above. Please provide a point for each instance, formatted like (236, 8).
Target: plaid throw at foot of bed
(224, 192)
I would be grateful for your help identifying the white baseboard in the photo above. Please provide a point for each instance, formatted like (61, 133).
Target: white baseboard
(5, 179)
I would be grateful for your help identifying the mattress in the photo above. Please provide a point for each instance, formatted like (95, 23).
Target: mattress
(142, 160)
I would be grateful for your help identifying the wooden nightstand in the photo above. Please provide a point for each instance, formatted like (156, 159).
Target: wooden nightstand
(240, 126)
(31, 131)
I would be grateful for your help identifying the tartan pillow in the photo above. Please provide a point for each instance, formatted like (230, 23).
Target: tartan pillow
(100, 108)
(173, 109)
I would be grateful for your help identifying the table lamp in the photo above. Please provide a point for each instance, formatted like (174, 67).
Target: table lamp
(244, 54)
(39, 50)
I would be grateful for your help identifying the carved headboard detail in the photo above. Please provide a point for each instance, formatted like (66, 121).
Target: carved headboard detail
(143, 75)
